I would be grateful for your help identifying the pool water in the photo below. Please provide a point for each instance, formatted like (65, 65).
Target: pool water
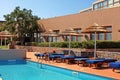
(28, 70)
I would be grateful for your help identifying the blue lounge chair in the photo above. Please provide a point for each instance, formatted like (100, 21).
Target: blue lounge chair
(81, 60)
(39, 55)
(100, 61)
(68, 58)
(42, 56)
(55, 56)
(94, 62)
(71, 58)
(115, 65)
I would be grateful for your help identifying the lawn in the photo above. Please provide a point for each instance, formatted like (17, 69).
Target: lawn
(3, 47)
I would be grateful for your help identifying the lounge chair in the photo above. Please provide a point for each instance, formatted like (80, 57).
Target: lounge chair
(55, 56)
(70, 58)
(115, 65)
(39, 55)
(81, 60)
(100, 61)
(42, 56)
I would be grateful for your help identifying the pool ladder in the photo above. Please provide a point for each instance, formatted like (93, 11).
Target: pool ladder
(40, 60)
(75, 73)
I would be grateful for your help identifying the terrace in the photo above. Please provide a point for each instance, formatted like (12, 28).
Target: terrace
(102, 72)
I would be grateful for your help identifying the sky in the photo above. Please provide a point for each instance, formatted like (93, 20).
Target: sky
(45, 8)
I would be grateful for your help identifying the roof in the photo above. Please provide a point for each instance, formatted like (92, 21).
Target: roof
(6, 34)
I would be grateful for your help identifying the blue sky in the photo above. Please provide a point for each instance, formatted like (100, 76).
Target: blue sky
(45, 8)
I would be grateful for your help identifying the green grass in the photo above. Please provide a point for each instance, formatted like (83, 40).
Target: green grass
(4, 47)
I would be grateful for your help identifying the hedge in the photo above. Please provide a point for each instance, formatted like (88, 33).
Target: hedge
(86, 45)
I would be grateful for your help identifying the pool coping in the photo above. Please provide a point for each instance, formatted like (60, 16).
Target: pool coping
(74, 70)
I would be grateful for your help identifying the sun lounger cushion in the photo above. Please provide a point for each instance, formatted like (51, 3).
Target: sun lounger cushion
(110, 60)
(94, 61)
(115, 65)
(56, 55)
(81, 59)
(68, 57)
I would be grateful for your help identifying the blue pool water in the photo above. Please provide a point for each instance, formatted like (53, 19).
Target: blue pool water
(28, 70)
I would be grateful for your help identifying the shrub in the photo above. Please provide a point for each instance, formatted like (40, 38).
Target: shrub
(87, 45)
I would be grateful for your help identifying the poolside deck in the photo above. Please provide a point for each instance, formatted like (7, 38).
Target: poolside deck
(102, 72)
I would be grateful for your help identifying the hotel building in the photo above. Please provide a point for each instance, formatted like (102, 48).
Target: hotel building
(102, 4)
(105, 13)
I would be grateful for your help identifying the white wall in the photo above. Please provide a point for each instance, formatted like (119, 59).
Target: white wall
(12, 54)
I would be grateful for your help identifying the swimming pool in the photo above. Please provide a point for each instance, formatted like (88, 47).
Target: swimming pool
(28, 70)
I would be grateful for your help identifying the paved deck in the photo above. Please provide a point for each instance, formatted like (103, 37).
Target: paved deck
(102, 72)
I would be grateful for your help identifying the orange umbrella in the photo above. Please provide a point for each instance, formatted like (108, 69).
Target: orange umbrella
(70, 32)
(6, 34)
(49, 34)
(95, 29)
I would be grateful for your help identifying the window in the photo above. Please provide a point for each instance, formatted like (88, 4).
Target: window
(95, 6)
(116, 2)
(55, 39)
(109, 28)
(92, 36)
(101, 4)
(110, 3)
(79, 39)
(49, 39)
(74, 38)
(101, 36)
(109, 35)
(105, 4)
(68, 38)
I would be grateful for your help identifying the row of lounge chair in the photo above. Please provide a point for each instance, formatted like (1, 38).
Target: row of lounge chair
(58, 57)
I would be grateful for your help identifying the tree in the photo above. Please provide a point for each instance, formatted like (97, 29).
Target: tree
(22, 23)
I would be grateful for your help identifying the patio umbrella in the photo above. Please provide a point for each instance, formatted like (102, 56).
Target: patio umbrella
(6, 34)
(70, 32)
(49, 34)
(95, 29)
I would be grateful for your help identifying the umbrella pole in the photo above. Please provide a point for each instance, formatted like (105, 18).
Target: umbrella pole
(49, 44)
(95, 47)
(69, 43)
